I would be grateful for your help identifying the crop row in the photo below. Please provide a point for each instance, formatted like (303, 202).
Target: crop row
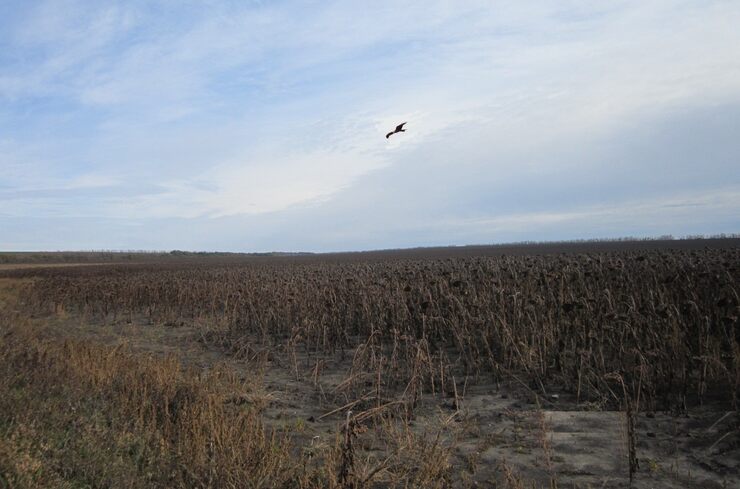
(657, 327)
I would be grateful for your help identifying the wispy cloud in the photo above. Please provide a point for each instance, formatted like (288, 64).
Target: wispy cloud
(645, 214)
(154, 110)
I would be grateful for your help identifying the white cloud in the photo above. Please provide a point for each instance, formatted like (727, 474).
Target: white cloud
(240, 109)
(247, 188)
(89, 180)
(642, 213)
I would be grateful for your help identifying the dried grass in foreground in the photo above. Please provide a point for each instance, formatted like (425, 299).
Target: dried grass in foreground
(79, 414)
(74, 413)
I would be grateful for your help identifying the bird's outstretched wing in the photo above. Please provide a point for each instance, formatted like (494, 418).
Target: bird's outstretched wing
(389, 134)
(400, 126)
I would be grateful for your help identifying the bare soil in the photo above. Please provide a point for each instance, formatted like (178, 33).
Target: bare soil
(23, 266)
(493, 428)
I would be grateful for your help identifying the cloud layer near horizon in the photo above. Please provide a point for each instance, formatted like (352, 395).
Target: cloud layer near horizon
(260, 126)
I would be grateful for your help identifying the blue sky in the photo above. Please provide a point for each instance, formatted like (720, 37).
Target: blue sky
(256, 126)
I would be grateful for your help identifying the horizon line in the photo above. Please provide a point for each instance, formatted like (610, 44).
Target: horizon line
(665, 237)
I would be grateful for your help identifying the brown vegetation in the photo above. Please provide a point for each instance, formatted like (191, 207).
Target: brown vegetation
(637, 331)
(664, 322)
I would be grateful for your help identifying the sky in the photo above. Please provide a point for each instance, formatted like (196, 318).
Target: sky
(260, 125)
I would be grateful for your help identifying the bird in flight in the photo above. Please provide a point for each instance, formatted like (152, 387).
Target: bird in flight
(399, 128)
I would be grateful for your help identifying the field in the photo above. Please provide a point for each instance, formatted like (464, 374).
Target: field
(571, 365)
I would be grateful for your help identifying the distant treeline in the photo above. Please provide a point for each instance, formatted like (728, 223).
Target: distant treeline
(518, 248)
(123, 256)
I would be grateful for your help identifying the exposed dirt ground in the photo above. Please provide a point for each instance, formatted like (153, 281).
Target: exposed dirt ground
(21, 266)
(538, 438)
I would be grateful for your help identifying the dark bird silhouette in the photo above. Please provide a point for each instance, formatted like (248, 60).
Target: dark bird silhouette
(399, 128)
